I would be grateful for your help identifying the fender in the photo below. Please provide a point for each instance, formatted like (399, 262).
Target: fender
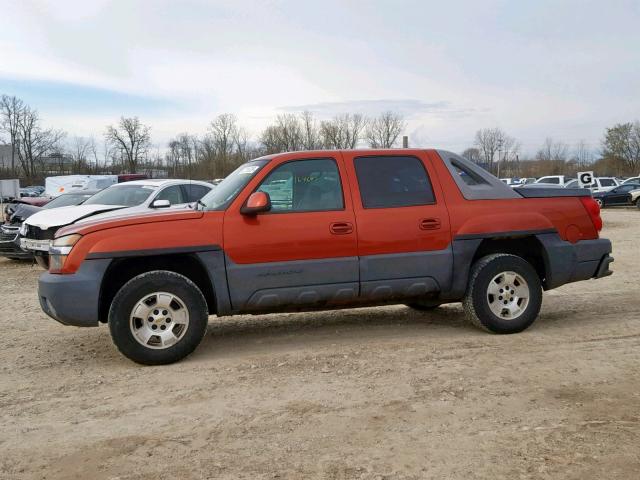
(507, 224)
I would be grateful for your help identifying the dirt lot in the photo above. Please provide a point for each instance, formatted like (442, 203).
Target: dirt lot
(369, 393)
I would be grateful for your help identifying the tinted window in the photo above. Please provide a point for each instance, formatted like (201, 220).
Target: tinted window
(125, 195)
(468, 176)
(393, 182)
(303, 186)
(195, 192)
(173, 194)
(549, 180)
(607, 182)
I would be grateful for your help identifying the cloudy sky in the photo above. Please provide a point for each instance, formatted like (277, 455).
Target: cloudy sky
(561, 69)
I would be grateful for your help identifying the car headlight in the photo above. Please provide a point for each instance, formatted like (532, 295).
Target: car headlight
(59, 250)
(23, 229)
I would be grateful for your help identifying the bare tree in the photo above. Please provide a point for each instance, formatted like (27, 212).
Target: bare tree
(489, 141)
(553, 151)
(383, 131)
(311, 139)
(343, 131)
(11, 110)
(496, 148)
(472, 154)
(223, 140)
(132, 138)
(582, 154)
(286, 135)
(34, 142)
(622, 142)
(80, 151)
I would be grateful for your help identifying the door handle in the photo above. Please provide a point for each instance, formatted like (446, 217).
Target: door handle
(341, 228)
(430, 224)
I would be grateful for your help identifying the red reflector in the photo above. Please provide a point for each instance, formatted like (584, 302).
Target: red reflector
(593, 209)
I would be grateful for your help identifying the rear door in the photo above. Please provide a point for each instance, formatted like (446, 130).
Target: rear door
(404, 238)
(302, 252)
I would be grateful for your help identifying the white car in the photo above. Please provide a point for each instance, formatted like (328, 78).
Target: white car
(632, 180)
(137, 196)
(554, 180)
(600, 184)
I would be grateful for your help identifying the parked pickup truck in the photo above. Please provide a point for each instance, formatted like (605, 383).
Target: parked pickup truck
(348, 229)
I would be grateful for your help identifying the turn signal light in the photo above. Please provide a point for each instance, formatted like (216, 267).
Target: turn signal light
(59, 250)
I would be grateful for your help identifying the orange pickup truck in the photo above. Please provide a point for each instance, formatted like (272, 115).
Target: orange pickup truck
(324, 230)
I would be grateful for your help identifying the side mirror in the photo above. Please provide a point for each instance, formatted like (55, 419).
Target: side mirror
(161, 204)
(256, 203)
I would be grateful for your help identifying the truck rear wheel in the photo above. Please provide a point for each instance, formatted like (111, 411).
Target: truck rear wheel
(158, 317)
(504, 294)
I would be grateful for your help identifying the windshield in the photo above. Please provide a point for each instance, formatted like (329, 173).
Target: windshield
(126, 195)
(68, 199)
(220, 197)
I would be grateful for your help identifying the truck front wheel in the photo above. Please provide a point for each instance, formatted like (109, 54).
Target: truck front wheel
(158, 317)
(504, 294)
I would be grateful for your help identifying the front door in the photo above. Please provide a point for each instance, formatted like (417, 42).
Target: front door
(404, 239)
(303, 252)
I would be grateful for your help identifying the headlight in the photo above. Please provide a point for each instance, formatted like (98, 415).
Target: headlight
(59, 249)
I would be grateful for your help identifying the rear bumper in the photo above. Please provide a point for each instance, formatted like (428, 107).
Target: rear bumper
(566, 262)
(73, 299)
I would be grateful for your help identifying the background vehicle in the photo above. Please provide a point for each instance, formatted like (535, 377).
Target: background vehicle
(558, 180)
(603, 184)
(60, 184)
(620, 195)
(120, 199)
(351, 228)
(17, 213)
(632, 180)
(129, 177)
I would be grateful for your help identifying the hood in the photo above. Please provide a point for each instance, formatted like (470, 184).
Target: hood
(129, 211)
(95, 224)
(22, 211)
(58, 217)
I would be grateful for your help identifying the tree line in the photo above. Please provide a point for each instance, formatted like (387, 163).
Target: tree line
(33, 151)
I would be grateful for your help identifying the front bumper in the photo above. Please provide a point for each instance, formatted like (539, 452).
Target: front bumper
(10, 244)
(567, 262)
(73, 299)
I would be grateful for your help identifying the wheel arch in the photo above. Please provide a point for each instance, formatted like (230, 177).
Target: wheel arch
(123, 269)
(527, 247)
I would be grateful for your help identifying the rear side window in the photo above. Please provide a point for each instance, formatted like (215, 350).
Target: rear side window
(467, 175)
(608, 182)
(195, 192)
(393, 181)
(304, 186)
(173, 194)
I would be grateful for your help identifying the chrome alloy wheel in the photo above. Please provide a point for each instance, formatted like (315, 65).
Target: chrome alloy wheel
(508, 295)
(159, 320)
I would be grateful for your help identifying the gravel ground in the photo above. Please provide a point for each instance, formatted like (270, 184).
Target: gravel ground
(375, 393)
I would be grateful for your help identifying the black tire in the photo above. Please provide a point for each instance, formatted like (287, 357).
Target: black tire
(423, 305)
(476, 300)
(146, 284)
